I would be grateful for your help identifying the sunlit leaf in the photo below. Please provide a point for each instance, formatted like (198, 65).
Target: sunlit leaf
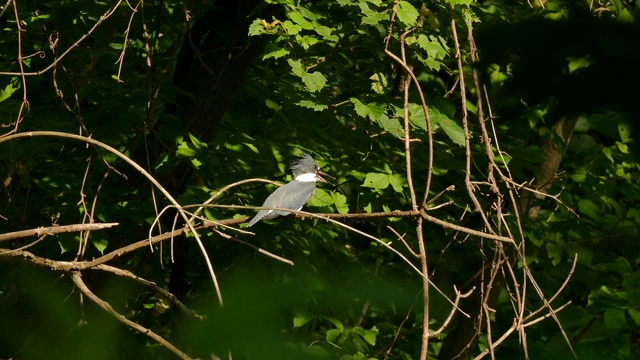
(376, 181)
(186, 150)
(340, 202)
(100, 244)
(314, 81)
(407, 14)
(311, 105)
(453, 131)
(301, 319)
(398, 181)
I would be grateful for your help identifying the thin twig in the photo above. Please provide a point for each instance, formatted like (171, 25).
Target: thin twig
(102, 18)
(141, 171)
(77, 280)
(157, 289)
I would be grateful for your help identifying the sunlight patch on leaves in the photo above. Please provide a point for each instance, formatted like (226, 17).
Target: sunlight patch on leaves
(378, 83)
(290, 28)
(314, 81)
(256, 28)
(407, 14)
(312, 105)
(371, 17)
(13, 85)
(100, 244)
(459, 2)
(376, 181)
(186, 149)
(275, 52)
(301, 319)
(373, 111)
(300, 20)
(397, 182)
(340, 201)
(321, 198)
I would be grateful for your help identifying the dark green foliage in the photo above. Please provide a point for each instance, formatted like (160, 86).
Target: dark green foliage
(202, 105)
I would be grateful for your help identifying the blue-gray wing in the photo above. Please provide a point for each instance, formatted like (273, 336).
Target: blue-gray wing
(293, 195)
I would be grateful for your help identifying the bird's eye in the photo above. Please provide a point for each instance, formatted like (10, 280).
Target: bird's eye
(316, 168)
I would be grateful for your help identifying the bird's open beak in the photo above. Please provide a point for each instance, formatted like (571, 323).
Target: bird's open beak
(320, 175)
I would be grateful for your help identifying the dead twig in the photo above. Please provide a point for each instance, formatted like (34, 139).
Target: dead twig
(77, 280)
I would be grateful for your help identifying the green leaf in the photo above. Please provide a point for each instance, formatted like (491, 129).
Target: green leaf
(555, 253)
(576, 63)
(333, 335)
(376, 181)
(373, 111)
(326, 33)
(150, 305)
(588, 208)
(321, 197)
(460, 2)
(337, 323)
(340, 201)
(186, 149)
(272, 105)
(256, 28)
(496, 76)
(296, 67)
(314, 81)
(371, 17)
(397, 181)
(580, 175)
(635, 315)
(300, 20)
(433, 46)
(100, 244)
(416, 116)
(376, 111)
(13, 85)
(453, 131)
(307, 41)
(625, 131)
(407, 14)
(291, 28)
(311, 105)
(368, 208)
(67, 243)
(391, 125)
(622, 147)
(614, 319)
(301, 319)
(368, 335)
(274, 51)
(197, 143)
(378, 83)
(361, 109)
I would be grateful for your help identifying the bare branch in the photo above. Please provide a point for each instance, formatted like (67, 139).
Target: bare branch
(157, 289)
(53, 230)
(77, 280)
(141, 171)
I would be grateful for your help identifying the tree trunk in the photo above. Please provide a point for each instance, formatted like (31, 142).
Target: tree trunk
(215, 58)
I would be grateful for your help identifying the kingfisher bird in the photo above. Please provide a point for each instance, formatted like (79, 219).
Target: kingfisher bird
(295, 194)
